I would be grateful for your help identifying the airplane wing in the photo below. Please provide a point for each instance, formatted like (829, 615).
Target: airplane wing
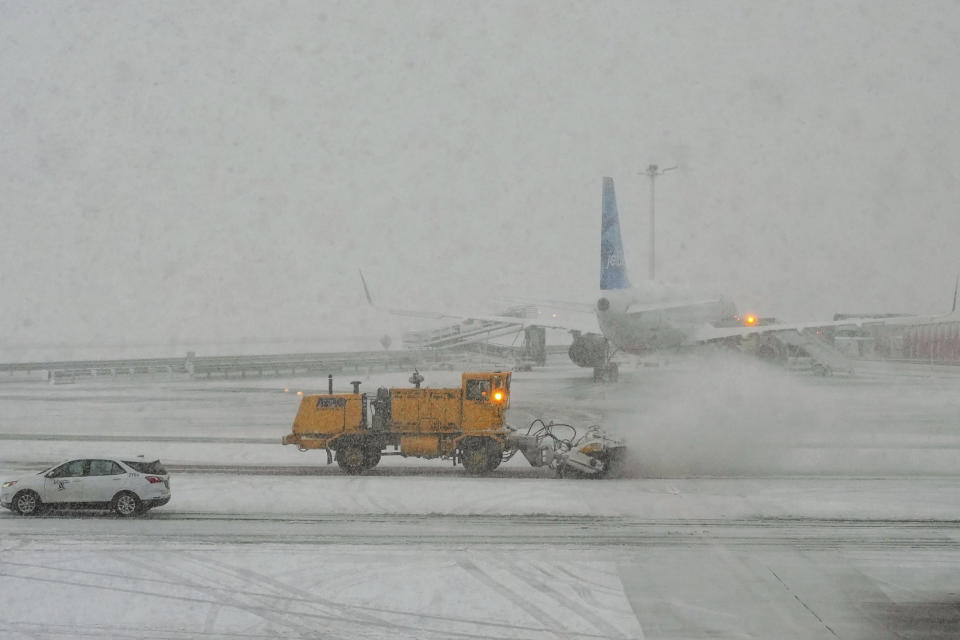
(566, 305)
(708, 333)
(549, 321)
(635, 307)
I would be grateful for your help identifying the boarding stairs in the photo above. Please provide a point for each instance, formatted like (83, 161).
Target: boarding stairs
(460, 334)
(826, 359)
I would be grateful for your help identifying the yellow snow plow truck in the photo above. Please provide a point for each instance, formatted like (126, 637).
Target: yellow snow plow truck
(464, 424)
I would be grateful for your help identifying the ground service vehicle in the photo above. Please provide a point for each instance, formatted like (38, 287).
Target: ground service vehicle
(463, 424)
(126, 485)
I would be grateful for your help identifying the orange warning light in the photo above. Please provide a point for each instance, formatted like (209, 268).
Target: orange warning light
(497, 396)
(750, 320)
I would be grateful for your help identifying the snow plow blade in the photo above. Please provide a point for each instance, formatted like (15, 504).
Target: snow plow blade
(592, 454)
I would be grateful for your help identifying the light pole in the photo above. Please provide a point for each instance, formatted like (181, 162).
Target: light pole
(652, 172)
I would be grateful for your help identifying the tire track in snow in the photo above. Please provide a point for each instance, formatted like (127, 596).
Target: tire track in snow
(371, 624)
(152, 580)
(102, 631)
(546, 619)
(585, 589)
(217, 598)
(353, 611)
(281, 603)
(258, 611)
(570, 604)
(210, 623)
(282, 590)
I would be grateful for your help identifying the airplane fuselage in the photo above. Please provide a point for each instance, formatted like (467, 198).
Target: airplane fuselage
(640, 320)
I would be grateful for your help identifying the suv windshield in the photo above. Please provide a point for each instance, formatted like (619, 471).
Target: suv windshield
(147, 467)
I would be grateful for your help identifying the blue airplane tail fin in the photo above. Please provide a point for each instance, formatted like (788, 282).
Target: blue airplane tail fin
(613, 266)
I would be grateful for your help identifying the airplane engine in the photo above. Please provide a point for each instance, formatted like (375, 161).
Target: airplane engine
(589, 350)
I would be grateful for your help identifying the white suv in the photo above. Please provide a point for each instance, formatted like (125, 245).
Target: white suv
(128, 486)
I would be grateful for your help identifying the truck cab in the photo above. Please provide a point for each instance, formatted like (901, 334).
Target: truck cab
(486, 397)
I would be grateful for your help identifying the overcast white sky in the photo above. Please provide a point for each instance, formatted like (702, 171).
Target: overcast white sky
(177, 172)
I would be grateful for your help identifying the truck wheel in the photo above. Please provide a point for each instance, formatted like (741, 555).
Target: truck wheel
(351, 459)
(371, 458)
(495, 456)
(481, 457)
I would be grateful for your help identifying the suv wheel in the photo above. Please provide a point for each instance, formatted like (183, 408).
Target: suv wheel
(126, 504)
(26, 503)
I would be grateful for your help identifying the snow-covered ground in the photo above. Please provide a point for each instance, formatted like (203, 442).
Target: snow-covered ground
(758, 504)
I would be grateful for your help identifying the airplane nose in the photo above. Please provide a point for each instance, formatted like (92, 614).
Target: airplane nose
(603, 304)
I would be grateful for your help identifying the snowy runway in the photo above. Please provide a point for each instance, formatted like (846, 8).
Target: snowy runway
(760, 505)
(154, 586)
(175, 575)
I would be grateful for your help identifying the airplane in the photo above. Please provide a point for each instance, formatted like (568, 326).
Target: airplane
(654, 317)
